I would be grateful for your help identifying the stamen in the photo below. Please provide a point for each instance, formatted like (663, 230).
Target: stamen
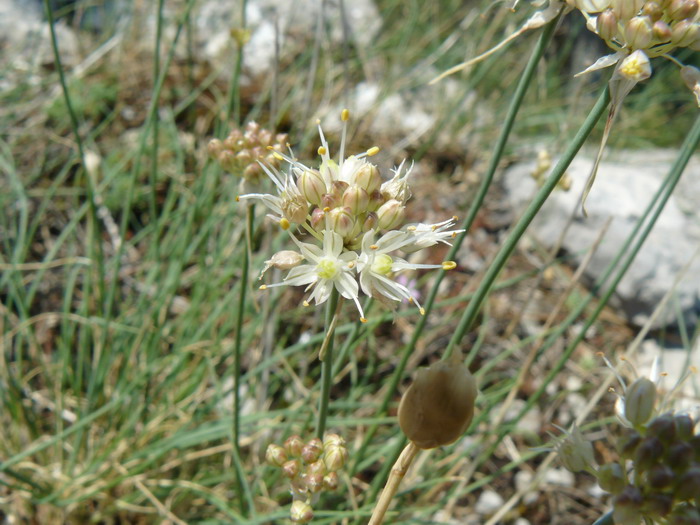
(449, 265)
(345, 115)
(305, 303)
(351, 264)
(321, 150)
(238, 199)
(374, 247)
(372, 151)
(284, 224)
(454, 235)
(422, 311)
(411, 228)
(263, 287)
(327, 209)
(455, 218)
(363, 320)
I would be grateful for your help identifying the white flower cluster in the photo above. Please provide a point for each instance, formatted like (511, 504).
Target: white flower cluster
(355, 220)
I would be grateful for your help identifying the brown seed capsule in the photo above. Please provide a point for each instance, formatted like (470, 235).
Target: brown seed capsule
(438, 407)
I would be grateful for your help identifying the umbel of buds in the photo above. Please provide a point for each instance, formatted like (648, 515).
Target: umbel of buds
(311, 467)
(439, 405)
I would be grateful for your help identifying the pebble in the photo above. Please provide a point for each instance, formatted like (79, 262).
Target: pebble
(488, 503)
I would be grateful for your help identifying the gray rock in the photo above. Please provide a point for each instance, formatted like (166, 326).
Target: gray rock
(488, 503)
(624, 186)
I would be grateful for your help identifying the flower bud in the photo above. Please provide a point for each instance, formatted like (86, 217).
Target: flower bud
(657, 505)
(214, 148)
(684, 33)
(227, 160)
(291, 468)
(234, 141)
(390, 214)
(376, 199)
(293, 446)
(312, 186)
(356, 199)
(439, 405)
(626, 9)
(627, 506)
(639, 401)
(330, 201)
(611, 478)
(653, 10)
(318, 218)
(301, 512)
(330, 481)
(679, 456)
(684, 426)
(312, 451)
(252, 172)
(660, 476)
(576, 452)
(635, 66)
(638, 32)
(368, 178)
(370, 221)
(688, 486)
(295, 209)
(628, 442)
(335, 457)
(313, 482)
(661, 31)
(606, 25)
(648, 452)
(330, 440)
(682, 9)
(341, 221)
(275, 455)
(684, 515)
(663, 427)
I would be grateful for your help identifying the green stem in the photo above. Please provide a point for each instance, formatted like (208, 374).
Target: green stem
(605, 519)
(237, 349)
(518, 230)
(327, 365)
(514, 107)
(153, 175)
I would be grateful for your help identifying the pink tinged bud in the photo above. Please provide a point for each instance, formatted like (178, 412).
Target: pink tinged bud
(356, 199)
(275, 455)
(215, 147)
(606, 25)
(611, 478)
(684, 33)
(370, 222)
(330, 481)
(301, 512)
(682, 9)
(312, 186)
(660, 476)
(295, 209)
(284, 260)
(233, 141)
(317, 467)
(368, 178)
(626, 9)
(679, 455)
(376, 199)
(391, 214)
(330, 201)
(335, 457)
(439, 405)
(227, 161)
(663, 427)
(291, 468)
(341, 221)
(293, 446)
(638, 32)
(661, 31)
(640, 399)
(317, 218)
(653, 10)
(338, 188)
(648, 452)
(312, 451)
(330, 440)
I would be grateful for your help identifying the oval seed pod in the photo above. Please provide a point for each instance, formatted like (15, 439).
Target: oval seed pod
(439, 405)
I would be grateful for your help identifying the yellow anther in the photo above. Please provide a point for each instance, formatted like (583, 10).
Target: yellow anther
(363, 320)
(351, 264)
(422, 311)
(284, 224)
(263, 287)
(318, 121)
(238, 199)
(345, 115)
(454, 235)
(327, 209)
(277, 155)
(411, 229)
(305, 303)
(374, 247)
(410, 300)
(449, 265)
(434, 227)
(321, 150)
(372, 151)
(455, 218)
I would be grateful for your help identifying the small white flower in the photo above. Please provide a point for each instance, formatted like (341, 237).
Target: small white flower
(422, 235)
(376, 266)
(397, 188)
(330, 267)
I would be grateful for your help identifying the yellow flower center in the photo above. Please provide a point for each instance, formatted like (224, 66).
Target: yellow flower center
(382, 264)
(327, 268)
